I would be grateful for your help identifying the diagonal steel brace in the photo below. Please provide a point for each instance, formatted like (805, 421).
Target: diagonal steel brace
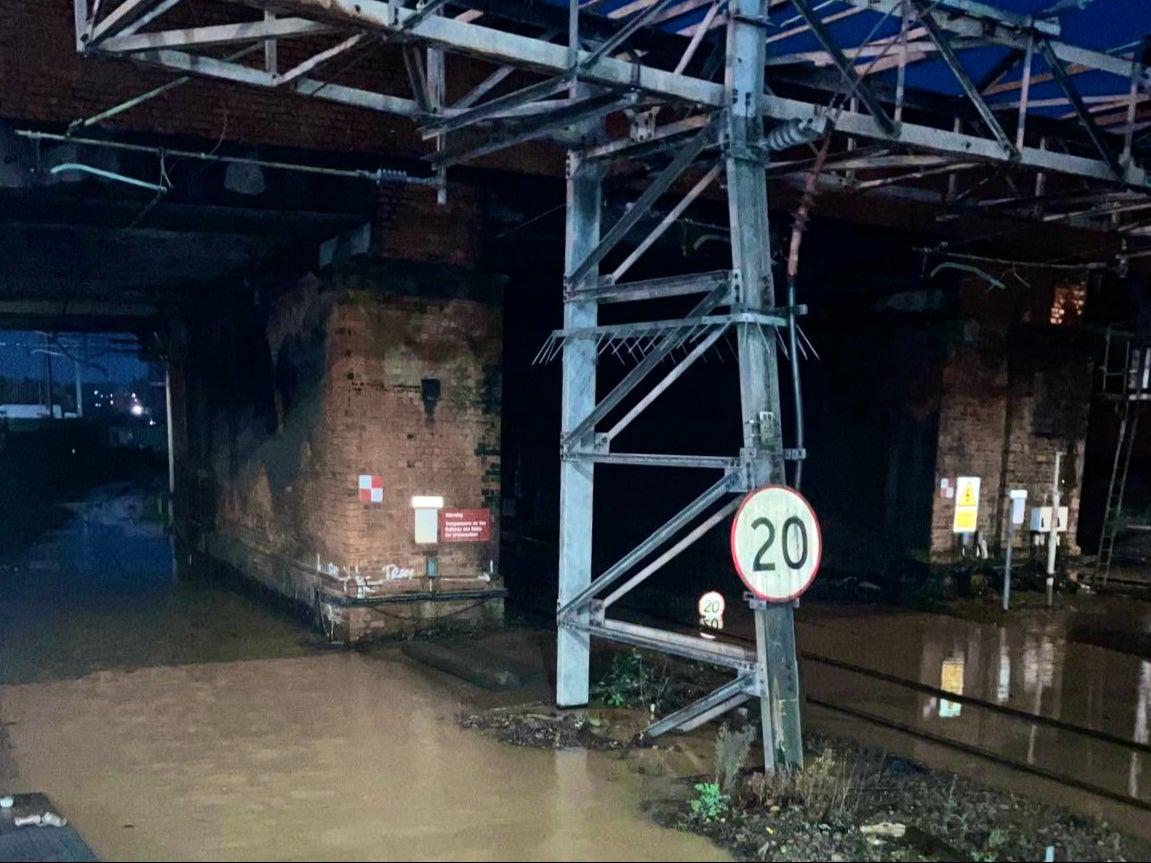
(866, 94)
(1089, 125)
(684, 158)
(937, 35)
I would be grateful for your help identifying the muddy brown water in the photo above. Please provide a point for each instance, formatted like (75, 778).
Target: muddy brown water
(1030, 662)
(177, 720)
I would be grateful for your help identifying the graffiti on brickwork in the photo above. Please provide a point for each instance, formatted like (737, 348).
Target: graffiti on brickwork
(396, 573)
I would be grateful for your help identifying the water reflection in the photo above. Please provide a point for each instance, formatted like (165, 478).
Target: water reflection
(1030, 665)
(951, 680)
(103, 592)
(1141, 702)
(1003, 680)
(210, 725)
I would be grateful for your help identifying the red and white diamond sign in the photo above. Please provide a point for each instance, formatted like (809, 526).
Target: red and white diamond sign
(371, 488)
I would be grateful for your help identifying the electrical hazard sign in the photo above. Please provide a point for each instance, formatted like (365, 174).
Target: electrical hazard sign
(968, 497)
(966, 505)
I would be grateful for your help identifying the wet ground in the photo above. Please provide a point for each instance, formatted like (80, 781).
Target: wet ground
(880, 675)
(1033, 661)
(178, 719)
(103, 592)
(175, 717)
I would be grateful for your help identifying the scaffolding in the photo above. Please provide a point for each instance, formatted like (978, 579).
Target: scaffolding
(700, 92)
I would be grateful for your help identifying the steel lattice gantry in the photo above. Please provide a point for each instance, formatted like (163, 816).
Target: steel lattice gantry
(708, 88)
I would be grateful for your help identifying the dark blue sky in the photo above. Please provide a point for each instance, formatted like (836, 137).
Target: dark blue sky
(17, 359)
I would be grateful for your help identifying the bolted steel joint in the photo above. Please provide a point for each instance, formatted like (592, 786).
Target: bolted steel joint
(642, 125)
(597, 612)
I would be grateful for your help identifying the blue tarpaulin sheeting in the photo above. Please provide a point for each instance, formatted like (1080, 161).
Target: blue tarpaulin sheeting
(1113, 26)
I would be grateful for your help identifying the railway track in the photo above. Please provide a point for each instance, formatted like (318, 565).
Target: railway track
(1010, 714)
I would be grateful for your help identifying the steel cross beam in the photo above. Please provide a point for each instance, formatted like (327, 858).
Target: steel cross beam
(128, 29)
(424, 10)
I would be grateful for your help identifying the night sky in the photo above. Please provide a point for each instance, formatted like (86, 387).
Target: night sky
(110, 360)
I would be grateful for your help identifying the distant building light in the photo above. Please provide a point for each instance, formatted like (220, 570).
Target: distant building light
(424, 501)
(1068, 303)
(137, 410)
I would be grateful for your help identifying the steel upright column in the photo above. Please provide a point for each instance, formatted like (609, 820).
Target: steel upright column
(584, 180)
(746, 163)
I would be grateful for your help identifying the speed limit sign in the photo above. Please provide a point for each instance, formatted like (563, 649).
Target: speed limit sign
(775, 543)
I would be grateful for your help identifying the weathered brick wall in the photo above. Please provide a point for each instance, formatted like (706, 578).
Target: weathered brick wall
(1050, 404)
(296, 402)
(1011, 400)
(972, 415)
(376, 422)
(410, 225)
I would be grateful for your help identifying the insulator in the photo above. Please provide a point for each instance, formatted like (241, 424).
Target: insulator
(793, 133)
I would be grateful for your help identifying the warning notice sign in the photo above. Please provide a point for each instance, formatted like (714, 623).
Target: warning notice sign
(968, 497)
(466, 525)
(966, 505)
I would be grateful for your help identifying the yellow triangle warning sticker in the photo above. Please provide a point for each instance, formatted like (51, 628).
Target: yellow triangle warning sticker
(967, 496)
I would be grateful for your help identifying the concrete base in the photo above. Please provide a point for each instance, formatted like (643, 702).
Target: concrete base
(454, 604)
(478, 663)
(353, 623)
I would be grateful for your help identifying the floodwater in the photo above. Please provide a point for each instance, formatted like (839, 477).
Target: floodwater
(104, 593)
(175, 719)
(1041, 662)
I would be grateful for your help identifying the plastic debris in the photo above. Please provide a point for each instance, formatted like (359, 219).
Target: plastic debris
(884, 828)
(46, 819)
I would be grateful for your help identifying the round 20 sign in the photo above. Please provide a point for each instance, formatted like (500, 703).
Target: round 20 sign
(775, 543)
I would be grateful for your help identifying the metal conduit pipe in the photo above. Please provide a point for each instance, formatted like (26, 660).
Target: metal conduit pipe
(378, 176)
(801, 216)
(796, 388)
(64, 167)
(424, 596)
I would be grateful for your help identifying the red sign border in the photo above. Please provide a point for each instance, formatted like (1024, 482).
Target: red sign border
(735, 557)
(480, 539)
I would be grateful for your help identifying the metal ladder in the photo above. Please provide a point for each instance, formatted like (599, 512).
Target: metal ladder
(1130, 383)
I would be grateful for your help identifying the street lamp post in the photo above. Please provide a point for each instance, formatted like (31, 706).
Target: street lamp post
(79, 384)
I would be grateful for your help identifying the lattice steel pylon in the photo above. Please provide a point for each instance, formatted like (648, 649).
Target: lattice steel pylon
(746, 297)
(696, 129)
